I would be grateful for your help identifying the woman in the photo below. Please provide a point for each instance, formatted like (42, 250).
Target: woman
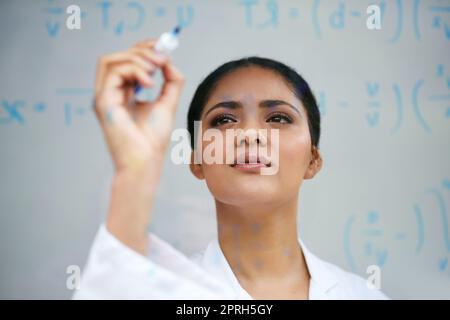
(257, 254)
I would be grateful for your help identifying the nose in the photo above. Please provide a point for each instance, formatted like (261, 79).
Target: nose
(251, 137)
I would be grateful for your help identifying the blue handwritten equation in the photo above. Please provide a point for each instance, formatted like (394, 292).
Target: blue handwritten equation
(323, 15)
(423, 17)
(117, 17)
(75, 104)
(429, 100)
(375, 246)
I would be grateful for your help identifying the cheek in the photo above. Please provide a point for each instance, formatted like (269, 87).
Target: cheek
(217, 178)
(295, 153)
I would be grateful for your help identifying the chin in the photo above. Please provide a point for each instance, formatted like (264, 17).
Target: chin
(247, 193)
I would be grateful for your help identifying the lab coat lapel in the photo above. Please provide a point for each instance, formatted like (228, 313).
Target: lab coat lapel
(214, 262)
(323, 280)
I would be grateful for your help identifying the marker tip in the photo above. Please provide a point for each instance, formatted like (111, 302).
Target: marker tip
(177, 30)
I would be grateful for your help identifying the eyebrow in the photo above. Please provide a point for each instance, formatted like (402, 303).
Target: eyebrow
(263, 104)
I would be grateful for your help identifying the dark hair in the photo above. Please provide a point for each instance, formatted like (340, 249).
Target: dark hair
(293, 79)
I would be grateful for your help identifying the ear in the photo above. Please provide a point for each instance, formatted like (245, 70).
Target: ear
(196, 169)
(315, 165)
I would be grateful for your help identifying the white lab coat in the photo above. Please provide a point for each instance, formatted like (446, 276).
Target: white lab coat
(115, 271)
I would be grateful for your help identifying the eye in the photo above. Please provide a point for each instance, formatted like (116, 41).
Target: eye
(280, 118)
(222, 119)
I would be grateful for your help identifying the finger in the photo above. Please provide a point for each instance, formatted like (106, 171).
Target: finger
(151, 56)
(100, 73)
(172, 87)
(113, 71)
(134, 73)
(104, 63)
(129, 56)
(147, 43)
(118, 90)
(143, 56)
(126, 57)
(141, 61)
(127, 73)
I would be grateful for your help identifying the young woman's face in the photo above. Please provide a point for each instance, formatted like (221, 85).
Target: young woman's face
(257, 98)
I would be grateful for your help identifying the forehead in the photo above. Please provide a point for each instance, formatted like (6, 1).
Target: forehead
(252, 82)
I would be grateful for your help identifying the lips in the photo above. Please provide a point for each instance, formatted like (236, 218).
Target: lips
(250, 162)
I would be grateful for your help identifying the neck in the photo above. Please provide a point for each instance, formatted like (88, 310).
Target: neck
(261, 243)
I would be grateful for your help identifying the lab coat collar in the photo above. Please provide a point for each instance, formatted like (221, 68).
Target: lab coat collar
(323, 280)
